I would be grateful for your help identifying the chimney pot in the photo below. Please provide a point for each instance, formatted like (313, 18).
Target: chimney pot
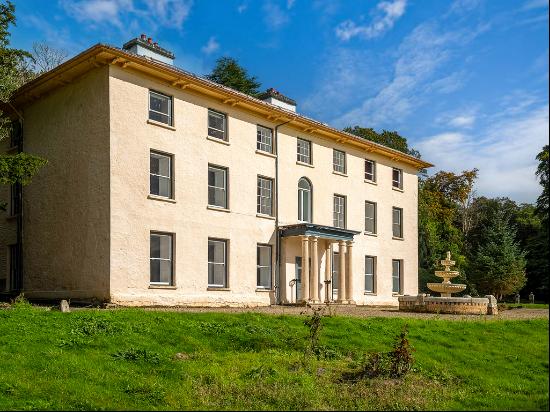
(149, 40)
(143, 37)
(155, 44)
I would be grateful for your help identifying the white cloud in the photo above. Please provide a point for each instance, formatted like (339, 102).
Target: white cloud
(171, 13)
(211, 46)
(504, 152)
(274, 16)
(388, 13)
(462, 121)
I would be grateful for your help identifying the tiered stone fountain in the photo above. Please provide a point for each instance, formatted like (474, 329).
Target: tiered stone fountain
(446, 303)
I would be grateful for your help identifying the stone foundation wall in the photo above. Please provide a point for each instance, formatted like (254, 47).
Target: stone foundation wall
(461, 306)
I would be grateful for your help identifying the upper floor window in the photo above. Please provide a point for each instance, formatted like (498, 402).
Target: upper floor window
(217, 186)
(370, 170)
(339, 161)
(161, 260)
(397, 218)
(217, 125)
(160, 107)
(160, 175)
(264, 139)
(370, 274)
(304, 151)
(397, 178)
(265, 196)
(217, 263)
(339, 212)
(396, 275)
(370, 218)
(304, 200)
(264, 267)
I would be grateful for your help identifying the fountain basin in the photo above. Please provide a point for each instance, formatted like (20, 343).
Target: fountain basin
(459, 306)
(446, 287)
(447, 273)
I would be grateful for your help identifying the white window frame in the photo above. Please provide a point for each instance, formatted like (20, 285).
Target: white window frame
(170, 108)
(259, 267)
(171, 259)
(372, 175)
(399, 276)
(303, 152)
(301, 194)
(373, 274)
(224, 131)
(399, 223)
(264, 139)
(224, 263)
(373, 218)
(225, 188)
(264, 192)
(398, 184)
(159, 176)
(339, 211)
(339, 161)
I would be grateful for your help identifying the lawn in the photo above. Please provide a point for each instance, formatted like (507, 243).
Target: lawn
(125, 359)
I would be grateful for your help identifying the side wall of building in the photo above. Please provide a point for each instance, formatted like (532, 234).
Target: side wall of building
(66, 206)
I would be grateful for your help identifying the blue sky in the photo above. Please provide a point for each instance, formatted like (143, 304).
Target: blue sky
(465, 81)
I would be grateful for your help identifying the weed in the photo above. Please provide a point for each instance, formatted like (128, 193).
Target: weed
(137, 355)
(94, 326)
(315, 326)
(20, 302)
(261, 372)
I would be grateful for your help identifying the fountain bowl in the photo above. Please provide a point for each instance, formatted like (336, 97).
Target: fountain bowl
(446, 287)
(447, 273)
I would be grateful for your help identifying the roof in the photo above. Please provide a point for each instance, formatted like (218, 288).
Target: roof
(102, 54)
(311, 229)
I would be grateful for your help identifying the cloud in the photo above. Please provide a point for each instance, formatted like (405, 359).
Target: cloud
(504, 152)
(171, 13)
(211, 46)
(535, 4)
(274, 16)
(388, 13)
(462, 121)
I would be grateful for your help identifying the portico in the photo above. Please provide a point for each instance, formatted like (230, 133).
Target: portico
(318, 245)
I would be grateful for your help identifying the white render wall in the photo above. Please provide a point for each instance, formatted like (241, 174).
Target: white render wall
(133, 215)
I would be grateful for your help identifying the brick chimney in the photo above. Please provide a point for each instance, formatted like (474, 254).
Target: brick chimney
(145, 46)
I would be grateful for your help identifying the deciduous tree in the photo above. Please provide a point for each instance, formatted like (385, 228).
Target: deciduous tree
(231, 74)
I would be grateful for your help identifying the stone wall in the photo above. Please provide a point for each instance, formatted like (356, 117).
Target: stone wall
(461, 306)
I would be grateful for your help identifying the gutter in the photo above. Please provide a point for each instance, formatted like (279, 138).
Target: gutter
(277, 234)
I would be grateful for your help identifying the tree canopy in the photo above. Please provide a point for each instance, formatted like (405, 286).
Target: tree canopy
(230, 73)
(386, 138)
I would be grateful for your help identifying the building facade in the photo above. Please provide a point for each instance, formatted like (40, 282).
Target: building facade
(163, 188)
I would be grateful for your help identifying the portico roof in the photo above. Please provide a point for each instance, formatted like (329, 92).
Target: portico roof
(311, 229)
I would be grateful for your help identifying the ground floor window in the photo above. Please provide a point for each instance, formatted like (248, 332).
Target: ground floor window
(264, 267)
(217, 263)
(396, 275)
(370, 275)
(161, 259)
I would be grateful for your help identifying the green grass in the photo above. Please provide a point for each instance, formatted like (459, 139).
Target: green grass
(527, 305)
(124, 359)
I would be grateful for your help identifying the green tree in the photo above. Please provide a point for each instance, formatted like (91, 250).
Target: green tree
(498, 265)
(18, 168)
(387, 138)
(543, 175)
(229, 73)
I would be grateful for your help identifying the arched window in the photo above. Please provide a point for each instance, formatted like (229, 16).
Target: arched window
(304, 200)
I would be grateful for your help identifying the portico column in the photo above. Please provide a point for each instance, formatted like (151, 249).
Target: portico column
(314, 283)
(328, 271)
(349, 272)
(305, 268)
(342, 271)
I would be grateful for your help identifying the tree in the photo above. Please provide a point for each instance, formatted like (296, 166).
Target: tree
(229, 73)
(389, 139)
(18, 168)
(498, 265)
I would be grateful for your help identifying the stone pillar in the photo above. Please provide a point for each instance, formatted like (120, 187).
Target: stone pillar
(342, 272)
(328, 271)
(305, 268)
(314, 282)
(349, 272)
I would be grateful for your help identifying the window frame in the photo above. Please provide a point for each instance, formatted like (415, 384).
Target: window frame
(400, 181)
(399, 276)
(260, 143)
(171, 171)
(334, 213)
(225, 137)
(170, 114)
(335, 165)
(373, 274)
(394, 209)
(374, 217)
(171, 260)
(225, 243)
(373, 163)
(259, 267)
(225, 171)
(259, 196)
(300, 155)
(301, 202)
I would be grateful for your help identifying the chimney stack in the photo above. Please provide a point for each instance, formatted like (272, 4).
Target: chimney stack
(273, 96)
(145, 46)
